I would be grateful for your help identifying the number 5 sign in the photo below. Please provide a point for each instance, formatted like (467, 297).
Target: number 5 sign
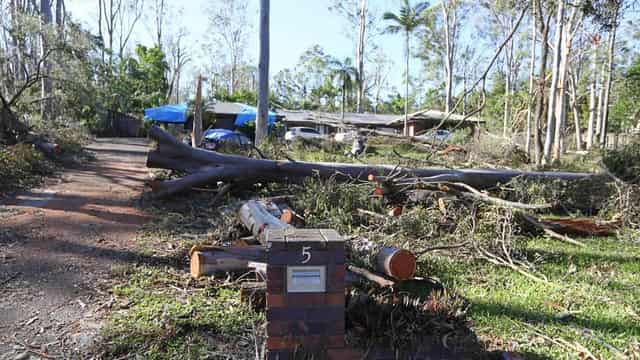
(306, 254)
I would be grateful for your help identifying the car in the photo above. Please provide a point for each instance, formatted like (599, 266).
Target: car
(215, 139)
(437, 135)
(302, 133)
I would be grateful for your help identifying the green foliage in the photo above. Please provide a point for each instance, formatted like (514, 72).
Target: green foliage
(22, 166)
(625, 163)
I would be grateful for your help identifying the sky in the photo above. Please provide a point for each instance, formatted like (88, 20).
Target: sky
(296, 25)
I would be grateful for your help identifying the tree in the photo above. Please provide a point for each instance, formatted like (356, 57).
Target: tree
(360, 19)
(557, 58)
(344, 72)
(179, 57)
(407, 20)
(46, 17)
(532, 74)
(159, 12)
(544, 29)
(230, 30)
(595, 41)
(503, 17)
(262, 119)
(615, 7)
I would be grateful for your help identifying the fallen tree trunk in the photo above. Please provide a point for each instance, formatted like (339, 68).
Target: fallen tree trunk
(208, 167)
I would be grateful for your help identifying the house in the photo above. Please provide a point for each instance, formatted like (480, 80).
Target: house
(327, 123)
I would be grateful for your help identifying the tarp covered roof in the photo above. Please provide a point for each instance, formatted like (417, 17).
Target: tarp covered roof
(175, 114)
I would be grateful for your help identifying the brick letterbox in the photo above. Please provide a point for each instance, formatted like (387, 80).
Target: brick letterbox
(305, 292)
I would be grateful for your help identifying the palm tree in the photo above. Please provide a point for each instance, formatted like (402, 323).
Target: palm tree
(407, 20)
(344, 72)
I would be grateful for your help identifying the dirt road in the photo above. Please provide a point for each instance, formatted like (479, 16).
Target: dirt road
(59, 244)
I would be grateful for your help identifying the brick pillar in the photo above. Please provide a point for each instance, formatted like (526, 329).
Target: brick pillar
(306, 315)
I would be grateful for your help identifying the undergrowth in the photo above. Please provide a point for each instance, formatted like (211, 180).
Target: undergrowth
(22, 166)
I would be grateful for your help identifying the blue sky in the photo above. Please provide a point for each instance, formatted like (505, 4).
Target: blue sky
(296, 25)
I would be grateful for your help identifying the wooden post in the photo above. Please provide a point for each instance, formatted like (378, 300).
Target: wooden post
(196, 134)
(262, 119)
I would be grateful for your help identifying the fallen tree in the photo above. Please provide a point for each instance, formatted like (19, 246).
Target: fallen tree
(207, 167)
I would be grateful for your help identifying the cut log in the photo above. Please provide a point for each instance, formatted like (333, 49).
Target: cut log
(394, 262)
(397, 263)
(206, 261)
(208, 167)
(256, 217)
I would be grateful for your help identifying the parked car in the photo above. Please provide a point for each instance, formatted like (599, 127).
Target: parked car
(302, 133)
(214, 139)
(346, 137)
(438, 135)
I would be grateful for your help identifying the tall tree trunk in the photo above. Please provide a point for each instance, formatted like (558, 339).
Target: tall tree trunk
(561, 107)
(46, 19)
(607, 85)
(448, 66)
(344, 96)
(509, 84)
(262, 123)
(555, 78)
(360, 55)
(406, 92)
(593, 89)
(196, 134)
(506, 120)
(60, 18)
(573, 84)
(599, 110)
(540, 97)
(100, 34)
(532, 74)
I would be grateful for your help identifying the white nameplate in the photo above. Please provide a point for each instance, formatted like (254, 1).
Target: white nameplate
(306, 279)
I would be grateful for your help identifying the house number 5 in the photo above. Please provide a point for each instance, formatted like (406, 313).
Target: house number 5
(306, 254)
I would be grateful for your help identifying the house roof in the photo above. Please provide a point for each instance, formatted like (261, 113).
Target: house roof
(230, 108)
(430, 117)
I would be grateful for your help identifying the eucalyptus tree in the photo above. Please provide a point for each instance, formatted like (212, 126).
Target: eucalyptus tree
(361, 20)
(406, 21)
(229, 29)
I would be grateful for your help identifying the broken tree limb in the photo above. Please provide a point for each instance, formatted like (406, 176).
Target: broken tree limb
(381, 281)
(208, 167)
(550, 232)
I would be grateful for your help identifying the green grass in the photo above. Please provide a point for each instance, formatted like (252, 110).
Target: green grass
(164, 315)
(599, 285)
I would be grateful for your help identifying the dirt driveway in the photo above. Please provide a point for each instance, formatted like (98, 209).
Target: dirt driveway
(59, 244)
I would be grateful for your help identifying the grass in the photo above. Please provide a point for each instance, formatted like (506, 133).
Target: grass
(593, 298)
(163, 315)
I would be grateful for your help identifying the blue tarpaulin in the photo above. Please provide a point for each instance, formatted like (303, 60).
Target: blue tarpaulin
(248, 114)
(176, 114)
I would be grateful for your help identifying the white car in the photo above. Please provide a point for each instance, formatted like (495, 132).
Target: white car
(346, 137)
(302, 133)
